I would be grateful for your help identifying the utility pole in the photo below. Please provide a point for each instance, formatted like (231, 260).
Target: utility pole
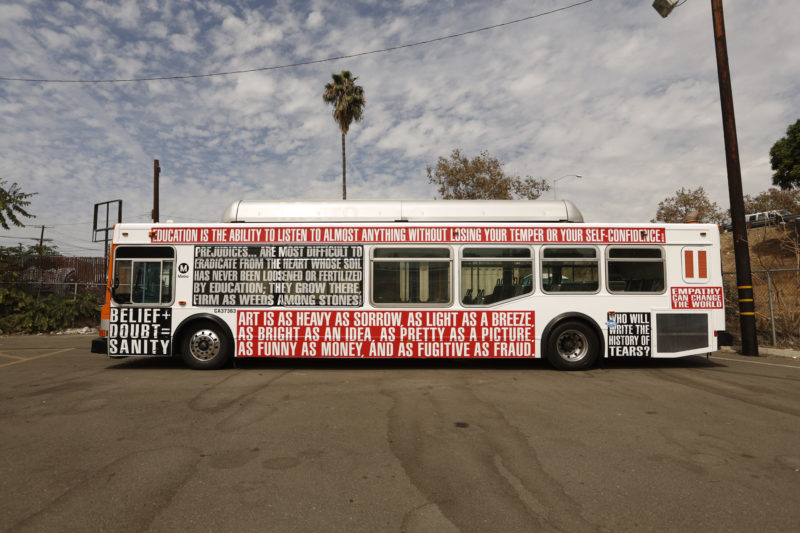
(741, 248)
(41, 248)
(156, 174)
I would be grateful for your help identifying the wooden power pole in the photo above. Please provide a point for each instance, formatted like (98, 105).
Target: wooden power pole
(741, 247)
(156, 174)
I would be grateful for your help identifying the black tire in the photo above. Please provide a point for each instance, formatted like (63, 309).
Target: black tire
(205, 346)
(572, 345)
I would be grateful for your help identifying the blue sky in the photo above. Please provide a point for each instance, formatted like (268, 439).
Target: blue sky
(608, 90)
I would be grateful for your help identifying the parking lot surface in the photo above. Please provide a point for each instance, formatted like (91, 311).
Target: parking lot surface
(697, 444)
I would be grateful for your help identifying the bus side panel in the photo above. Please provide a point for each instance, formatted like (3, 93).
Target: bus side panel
(139, 331)
(385, 333)
(679, 334)
(696, 308)
(633, 327)
(660, 333)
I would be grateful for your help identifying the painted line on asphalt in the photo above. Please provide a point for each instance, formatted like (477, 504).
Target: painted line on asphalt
(11, 356)
(26, 359)
(754, 362)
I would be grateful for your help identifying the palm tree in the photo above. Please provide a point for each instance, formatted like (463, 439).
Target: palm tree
(12, 202)
(348, 102)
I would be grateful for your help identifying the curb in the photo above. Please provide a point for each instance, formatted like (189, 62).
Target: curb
(765, 351)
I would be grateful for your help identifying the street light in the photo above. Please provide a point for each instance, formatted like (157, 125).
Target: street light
(665, 7)
(741, 248)
(561, 178)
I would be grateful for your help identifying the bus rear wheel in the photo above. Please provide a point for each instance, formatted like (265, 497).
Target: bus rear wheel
(572, 345)
(205, 346)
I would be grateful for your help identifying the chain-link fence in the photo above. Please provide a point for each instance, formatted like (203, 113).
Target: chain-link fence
(42, 307)
(776, 294)
(40, 294)
(45, 275)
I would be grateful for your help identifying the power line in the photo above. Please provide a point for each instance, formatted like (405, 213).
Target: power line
(88, 223)
(61, 241)
(304, 63)
(73, 247)
(188, 219)
(13, 237)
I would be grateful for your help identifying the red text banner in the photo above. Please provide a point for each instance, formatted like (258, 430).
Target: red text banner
(408, 234)
(385, 334)
(697, 298)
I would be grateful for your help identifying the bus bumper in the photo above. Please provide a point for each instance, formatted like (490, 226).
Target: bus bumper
(100, 345)
(724, 338)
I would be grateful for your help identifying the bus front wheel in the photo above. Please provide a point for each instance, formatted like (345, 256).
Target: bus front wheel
(205, 346)
(572, 345)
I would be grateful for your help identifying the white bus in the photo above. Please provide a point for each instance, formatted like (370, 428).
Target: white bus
(403, 279)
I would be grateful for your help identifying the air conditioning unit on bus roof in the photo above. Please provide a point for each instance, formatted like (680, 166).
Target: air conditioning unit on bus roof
(404, 210)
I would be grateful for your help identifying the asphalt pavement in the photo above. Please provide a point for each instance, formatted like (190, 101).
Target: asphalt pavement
(695, 444)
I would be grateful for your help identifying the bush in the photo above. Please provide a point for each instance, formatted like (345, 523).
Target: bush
(21, 312)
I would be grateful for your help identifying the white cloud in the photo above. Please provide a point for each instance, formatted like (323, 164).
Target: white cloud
(156, 29)
(14, 12)
(315, 20)
(609, 91)
(183, 43)
(128, 14)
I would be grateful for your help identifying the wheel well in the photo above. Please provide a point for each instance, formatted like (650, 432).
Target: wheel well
(577, 317)
(180, 331)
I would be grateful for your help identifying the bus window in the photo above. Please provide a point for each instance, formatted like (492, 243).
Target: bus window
(411, 276)
(143, 275)
(570, 269)
(122, 281)
(637, 269)
(491, 275)
(146, 282)
(166, 281)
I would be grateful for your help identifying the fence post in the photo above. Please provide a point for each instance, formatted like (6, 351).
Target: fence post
(771, 308)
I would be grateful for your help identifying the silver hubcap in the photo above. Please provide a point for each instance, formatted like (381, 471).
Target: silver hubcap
(572, 345)
(204, 345)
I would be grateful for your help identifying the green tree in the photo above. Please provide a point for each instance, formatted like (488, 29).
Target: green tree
(773, 199)
(348, 103)
(12, 262)
(480, 178)
(12, 203)
(785, 158)
(689, 202)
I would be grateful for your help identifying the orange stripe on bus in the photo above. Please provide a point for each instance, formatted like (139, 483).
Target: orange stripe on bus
(688, 263)
(702, 265)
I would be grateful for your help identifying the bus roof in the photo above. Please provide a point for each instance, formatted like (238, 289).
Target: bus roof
(404, 210)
